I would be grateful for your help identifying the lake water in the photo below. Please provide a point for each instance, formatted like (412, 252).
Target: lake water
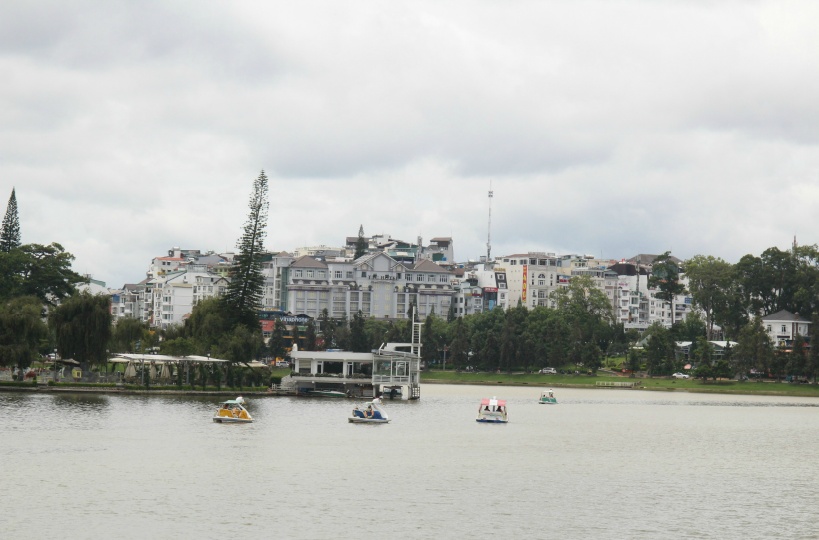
(601, 464)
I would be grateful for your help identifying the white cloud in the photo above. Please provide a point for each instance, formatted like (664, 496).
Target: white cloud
(610, 128)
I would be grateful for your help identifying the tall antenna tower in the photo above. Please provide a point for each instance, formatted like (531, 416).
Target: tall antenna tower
(489, 228)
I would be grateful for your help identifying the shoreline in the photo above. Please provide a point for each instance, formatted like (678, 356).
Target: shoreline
(660, 385)
(779, 389)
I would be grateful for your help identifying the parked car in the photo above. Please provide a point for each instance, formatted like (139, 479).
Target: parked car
(679, 375)
(548, 370)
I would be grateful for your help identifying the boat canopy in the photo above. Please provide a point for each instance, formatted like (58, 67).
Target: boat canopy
(493, 402)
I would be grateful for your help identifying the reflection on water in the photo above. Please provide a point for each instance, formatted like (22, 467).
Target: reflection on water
(601, 464)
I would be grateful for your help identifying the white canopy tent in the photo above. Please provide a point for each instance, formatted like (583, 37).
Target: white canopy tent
(159, 365)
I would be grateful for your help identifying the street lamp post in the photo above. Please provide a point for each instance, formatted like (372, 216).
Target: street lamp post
(55, 364)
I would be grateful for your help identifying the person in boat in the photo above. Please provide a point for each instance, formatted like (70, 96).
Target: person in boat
(551, 393)
(486, 409)
(369, 412)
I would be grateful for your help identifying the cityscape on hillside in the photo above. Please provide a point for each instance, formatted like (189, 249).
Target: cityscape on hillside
(393, 274)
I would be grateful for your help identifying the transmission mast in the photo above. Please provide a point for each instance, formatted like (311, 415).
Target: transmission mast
(489, 228)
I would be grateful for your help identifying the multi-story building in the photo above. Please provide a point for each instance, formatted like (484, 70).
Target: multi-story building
(440, 250)
(468, 297)
(276, 270)
(322, 252)
(636, 304)
(375, 284)
(128, 302)
(783, 327)
(174, 295)
(529, 278)
(631, 305)
(604, 279)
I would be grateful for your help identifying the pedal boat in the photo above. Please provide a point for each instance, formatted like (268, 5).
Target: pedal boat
(547, 397)
(492, 411)
(232, 411)
(371, 413)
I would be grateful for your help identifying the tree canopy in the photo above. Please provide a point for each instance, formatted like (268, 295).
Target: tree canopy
(40, 271)
(82, 326)
(22, 331)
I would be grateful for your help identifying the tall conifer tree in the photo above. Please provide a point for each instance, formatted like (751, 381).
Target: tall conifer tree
(361, 244)
(244, 294)
(10, 232)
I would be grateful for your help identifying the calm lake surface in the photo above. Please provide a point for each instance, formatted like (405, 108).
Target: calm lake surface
(601, 464)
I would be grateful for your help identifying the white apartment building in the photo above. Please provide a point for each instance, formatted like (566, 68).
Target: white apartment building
(468, 297)
(375, 284)
(636, 305)
(604, 279)
(174, 295)
(530, 279)
(276, 275)
(128, 302)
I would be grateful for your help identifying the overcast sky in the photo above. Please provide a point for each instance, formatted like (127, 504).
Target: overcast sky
(605, 127)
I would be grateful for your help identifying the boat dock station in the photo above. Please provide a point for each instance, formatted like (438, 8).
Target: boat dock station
(392, 370)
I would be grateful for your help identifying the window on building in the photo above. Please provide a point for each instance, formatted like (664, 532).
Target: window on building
(297, 273)
(784, 329)
(338, 274)
(419, 277)
(309, 273)
(363, 273)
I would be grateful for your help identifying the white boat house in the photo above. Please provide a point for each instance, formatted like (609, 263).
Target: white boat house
(392, 369)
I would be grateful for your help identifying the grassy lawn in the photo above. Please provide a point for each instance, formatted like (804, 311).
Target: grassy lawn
(657, 383)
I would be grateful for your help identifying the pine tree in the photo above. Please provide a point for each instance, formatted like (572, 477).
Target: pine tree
(10, 231)
(244, 294)
(360, 244)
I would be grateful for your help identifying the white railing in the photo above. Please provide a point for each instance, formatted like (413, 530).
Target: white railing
(391, 379)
